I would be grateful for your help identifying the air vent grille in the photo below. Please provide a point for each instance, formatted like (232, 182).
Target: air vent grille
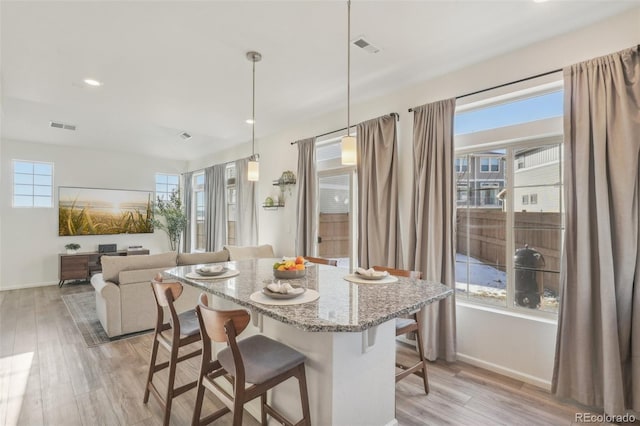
(185, 136)
(363, 44)
(59, 125)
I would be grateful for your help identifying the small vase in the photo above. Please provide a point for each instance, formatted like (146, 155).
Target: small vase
(71, 251)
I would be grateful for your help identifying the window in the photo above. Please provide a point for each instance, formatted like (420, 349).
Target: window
(166, 184)
(232, 213)
(461, 165)
(32, 184)
(488, 164)
(507, 254)
(200, 240)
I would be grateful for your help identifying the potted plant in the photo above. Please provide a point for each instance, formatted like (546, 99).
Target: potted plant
(174, 218)
(72, 248)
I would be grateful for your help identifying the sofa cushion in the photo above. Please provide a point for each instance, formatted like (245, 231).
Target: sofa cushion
(113, 265)
(207, 257)
(249, 252)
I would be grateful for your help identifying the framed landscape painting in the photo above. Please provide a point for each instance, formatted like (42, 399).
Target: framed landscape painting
(91, 211)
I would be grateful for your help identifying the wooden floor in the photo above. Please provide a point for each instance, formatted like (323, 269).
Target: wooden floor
(49, 377)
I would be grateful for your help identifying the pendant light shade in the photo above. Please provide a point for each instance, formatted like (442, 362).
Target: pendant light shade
(348, 148)
(253, 168)
(348, 145)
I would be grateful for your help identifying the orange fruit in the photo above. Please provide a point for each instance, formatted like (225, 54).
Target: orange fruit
(300, 267)
(299, 260)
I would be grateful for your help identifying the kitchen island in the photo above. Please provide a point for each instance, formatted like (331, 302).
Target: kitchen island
(347, 334)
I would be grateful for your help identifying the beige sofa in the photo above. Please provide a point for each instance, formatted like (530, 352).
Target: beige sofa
(124, 299)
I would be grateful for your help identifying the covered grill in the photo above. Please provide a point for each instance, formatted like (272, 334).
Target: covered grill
(528, 275)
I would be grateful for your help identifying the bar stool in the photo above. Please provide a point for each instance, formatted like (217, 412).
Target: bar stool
(322, 261)
(408, 325)
(182, 330)
(258, 361)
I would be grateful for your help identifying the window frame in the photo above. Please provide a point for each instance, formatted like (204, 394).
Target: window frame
(537, 133)
(51, 195)
(167, 184)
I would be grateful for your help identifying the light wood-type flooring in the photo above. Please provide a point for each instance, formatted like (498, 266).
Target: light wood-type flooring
(49, 377)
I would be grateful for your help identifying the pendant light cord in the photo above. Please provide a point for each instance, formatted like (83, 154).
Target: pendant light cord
(348, 67)
(253, 114)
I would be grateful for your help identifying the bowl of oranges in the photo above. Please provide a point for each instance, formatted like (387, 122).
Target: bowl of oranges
(289, 268)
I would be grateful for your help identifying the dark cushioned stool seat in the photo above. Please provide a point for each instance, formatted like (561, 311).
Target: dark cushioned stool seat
(263, 358)
(189, 325)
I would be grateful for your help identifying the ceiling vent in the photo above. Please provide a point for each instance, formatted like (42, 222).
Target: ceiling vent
(363, 44)
(185, 136)
(59, 125)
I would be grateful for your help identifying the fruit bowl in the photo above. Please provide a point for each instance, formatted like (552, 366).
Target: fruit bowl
(289, 275)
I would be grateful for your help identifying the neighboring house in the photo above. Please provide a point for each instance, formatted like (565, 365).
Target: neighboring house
(479, 179)
(537, 177)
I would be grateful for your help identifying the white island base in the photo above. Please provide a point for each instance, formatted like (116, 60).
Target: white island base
(351, 380)
(350, 375)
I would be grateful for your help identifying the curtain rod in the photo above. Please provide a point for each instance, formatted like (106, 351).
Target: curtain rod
(503, 85)
(393, 114)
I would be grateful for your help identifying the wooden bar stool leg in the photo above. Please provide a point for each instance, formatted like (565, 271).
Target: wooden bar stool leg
(238, 406)
(304, 395)
(152, 365)
(170, 383)
(197, 411)
(263, 402)
(425, 379)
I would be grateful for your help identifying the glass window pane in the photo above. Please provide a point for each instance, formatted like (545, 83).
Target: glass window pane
(23, 189)
(22, 201)
(23, 179)
(22, 167)
(172, 188)
(161, 178)
(43, 169)
(42, 201)
(199, 179)
(42, 190)
(506, 114)
(42, 180)
(173, 179)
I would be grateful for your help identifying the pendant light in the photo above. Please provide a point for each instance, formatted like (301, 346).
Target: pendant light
(253, 166)
(348, 144)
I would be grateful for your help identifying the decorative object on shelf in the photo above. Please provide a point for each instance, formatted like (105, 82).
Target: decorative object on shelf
(272, 204)
(175, 218)
(348, 144)
(72, 248)
(287, 178)
(253, 166)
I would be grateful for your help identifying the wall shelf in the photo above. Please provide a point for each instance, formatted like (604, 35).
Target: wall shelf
(272, 206)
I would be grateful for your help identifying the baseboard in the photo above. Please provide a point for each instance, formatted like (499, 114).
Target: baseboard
(28, 285)
(527, 378)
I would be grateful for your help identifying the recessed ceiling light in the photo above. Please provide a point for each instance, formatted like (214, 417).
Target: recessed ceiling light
(540, 1)
(249, 121)
(92, 82)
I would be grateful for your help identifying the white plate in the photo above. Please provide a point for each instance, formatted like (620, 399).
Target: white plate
(276, 295)
(211, 274)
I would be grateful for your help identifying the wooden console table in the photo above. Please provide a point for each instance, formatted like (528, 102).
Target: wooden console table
(80, 266)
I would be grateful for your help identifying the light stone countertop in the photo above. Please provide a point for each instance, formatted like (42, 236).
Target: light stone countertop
(342, 307)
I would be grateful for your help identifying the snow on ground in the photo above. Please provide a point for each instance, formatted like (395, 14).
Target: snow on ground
(480, 273)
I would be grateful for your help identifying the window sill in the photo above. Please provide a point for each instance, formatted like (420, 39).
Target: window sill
(543, 317)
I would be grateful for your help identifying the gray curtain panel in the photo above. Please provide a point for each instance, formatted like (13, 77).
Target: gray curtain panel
(379, 241)
(307, 217)
(187, 200)
(598, 342)
(247, 212)
(215, 222)
(432, 244)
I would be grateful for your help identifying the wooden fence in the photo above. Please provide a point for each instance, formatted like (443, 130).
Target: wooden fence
(481, 234)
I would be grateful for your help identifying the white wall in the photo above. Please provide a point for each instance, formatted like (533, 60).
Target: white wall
(29, 242)
(517, 346)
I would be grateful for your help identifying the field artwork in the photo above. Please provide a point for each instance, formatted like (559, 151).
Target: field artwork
(89, 211)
